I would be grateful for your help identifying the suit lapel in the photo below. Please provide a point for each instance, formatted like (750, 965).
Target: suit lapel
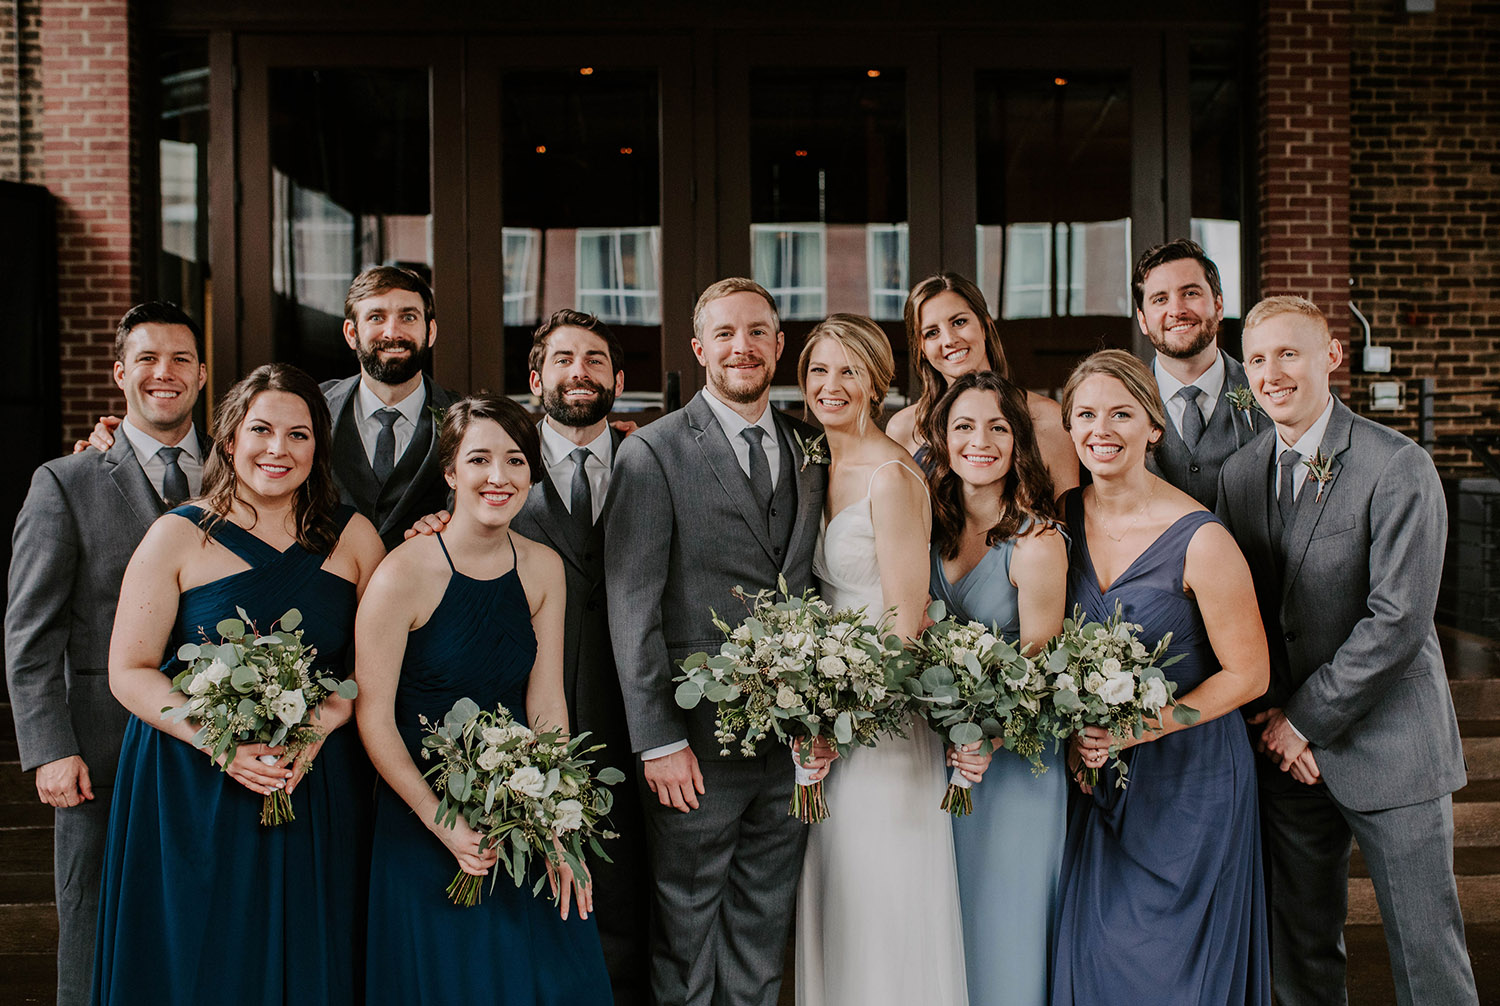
(1310, 509)
(726, 468)
(126, 472)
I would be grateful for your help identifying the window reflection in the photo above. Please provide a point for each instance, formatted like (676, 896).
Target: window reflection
(1217, 138)
(182, 266)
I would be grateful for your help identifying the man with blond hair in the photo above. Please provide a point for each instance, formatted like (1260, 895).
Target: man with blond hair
(1344, 525)
(709, 498)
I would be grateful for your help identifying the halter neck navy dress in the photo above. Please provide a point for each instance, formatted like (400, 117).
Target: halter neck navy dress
(1162, 897)
(200, 902)
(511, 948)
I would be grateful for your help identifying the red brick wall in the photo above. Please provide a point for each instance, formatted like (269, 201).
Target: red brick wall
(20, 92)
(1304, 155)
(1425, 209)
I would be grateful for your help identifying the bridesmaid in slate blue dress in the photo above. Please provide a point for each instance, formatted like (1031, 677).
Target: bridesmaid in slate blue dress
(475, 611)
(201, 902)
(998, 558)
(1162, 896)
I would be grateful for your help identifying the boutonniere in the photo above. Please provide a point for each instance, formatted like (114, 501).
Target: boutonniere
(1243, 399)
(814, 451)
(1320, 469)
(438, 414)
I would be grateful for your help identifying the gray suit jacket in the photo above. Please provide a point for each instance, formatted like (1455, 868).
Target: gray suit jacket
(683, 531)
(81, 522)
(1196, 472)
(427, 492)
(1355, 662)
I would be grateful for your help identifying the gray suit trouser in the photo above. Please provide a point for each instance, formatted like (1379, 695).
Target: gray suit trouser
(726, 882)
(78, 839)
(1409, 852)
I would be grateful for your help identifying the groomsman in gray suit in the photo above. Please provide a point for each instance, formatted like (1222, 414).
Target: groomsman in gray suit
(384, 433)
(1179, 303)
(82, 519)
(1344, 526)
(714, 496)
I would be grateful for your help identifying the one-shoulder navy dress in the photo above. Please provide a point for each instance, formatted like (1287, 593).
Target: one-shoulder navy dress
(511, 948)
(1162, 897)
(200, 902)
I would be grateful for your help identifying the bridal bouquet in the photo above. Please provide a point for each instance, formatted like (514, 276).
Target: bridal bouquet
(253, 688)
(973, 686)
(524, 792)
(799, 669)
(1102, 675)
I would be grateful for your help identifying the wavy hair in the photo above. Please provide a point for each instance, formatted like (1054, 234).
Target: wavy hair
(932, 381)
(1026, 491)
(869, 353)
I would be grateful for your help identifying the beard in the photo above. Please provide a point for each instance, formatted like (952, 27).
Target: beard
(395, 371)
(742, 394)
(1208, 331)
(580, 414)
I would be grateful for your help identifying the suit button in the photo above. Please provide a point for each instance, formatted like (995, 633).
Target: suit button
(777, 550)
(1193, 468)
(1290, 637)
(773, 511)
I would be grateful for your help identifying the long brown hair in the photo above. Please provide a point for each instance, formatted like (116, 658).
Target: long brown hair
(1026, 492)
(315, 506)
(932, 381)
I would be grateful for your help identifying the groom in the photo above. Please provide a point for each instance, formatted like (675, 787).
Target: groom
(1344, 526)
(706, 499)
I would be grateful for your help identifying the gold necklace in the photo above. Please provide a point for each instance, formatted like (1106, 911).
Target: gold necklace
(1099, 516)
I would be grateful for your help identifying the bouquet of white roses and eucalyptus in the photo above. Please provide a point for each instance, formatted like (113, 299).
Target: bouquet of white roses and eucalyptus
(524, 792)
(972, 686)
(1102, 675)
(800, 670)
(253, 688)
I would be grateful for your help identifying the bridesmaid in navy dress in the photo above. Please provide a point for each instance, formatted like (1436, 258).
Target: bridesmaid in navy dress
(475, 611)
(1162, 895)
(201, 902)
(998, 558)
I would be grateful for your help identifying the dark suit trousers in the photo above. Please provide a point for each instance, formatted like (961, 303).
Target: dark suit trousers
(78, 840)
(726, 881)
(1409, 852)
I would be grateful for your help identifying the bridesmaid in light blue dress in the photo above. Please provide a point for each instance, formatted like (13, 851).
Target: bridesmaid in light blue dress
(999, 558)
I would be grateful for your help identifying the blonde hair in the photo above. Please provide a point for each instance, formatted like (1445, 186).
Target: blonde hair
(869, 353)
(725, 287)
(1129, 371)
(1273, 307)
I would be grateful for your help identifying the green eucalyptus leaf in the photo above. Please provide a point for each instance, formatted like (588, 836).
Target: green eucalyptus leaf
(688, 694)
(230, 628)
(291, 620)
(347, 689)
(611, 776)
(188, 652)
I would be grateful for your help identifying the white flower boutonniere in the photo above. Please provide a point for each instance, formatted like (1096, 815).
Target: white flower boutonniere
(814, 451)
(1320, 469)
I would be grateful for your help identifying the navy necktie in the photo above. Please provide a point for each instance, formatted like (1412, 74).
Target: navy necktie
(385, 444)
(174, 484)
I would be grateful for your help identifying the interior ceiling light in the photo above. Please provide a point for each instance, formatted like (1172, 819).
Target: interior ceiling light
(541, 149)
(585, 71)
(1060, 81)
(872, 73)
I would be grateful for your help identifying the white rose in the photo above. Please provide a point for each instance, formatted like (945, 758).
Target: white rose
(833, 667)
(1110, 667)
(985, 641)
(567, 786)
(288, 707)
(527, 781)
(492, 735)
(785, 697)
(1156, 695)
(489, 759)
(961, 655)
(569, 817)
(518, 731)
(1093, 681)
(1118, 689)
(1065, 683)
(1137, 650)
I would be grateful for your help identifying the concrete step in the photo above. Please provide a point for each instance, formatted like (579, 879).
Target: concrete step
(1479, 896)
(28, 929)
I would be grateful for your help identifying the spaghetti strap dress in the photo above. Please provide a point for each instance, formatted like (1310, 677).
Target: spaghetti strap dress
(200, 902)
(511, 948)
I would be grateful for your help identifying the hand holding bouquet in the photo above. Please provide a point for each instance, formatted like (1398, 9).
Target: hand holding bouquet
(800, 670)
(973, 686)
(525, 793)
(255, 689)
(1102, 675)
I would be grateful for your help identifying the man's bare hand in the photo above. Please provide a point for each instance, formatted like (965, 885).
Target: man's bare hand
(65, 782)
(626, 426)
(675, 779)
(1280, 741)
(1305, 769)
(103, 436)
(431, 524)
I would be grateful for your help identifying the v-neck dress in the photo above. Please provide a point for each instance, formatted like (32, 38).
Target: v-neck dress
(1162, 897)
(200, 902)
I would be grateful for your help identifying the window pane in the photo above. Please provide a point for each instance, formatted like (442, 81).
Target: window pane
(1218, 166)
(182, 267)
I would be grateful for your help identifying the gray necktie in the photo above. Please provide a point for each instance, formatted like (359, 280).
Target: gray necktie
(174, 486)
(1192, 416)
(581, 497)
(1286, 499)
(385, 444)
(760, 469)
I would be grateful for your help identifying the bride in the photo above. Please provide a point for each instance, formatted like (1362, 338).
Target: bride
(877, 909)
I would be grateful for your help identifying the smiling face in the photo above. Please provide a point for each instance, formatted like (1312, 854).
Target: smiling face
(1288, 360)
(1110, 428)
(273, 445)
(980, 441)
(390, 336)
(739, 344)
(490, 476)
(577, 383)
(952, 336)
(1179, 312)
(836, 390)
(161, 376)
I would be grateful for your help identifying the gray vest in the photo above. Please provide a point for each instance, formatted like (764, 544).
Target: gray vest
(1196, 471)
(352, 468)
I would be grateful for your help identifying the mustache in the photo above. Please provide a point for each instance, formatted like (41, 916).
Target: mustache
(580, 384)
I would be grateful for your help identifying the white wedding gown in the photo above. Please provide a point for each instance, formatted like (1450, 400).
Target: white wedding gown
(878, 921)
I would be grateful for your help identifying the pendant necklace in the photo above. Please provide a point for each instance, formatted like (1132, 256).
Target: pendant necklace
(1133, 521)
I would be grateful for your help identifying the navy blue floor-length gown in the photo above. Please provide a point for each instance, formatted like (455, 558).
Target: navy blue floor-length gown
(201, 902)
(1162, 896)
(511, 948)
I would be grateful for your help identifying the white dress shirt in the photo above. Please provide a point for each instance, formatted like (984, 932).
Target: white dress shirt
(146, 447)
(557, 458)
(1209, 384)
(405, 426)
